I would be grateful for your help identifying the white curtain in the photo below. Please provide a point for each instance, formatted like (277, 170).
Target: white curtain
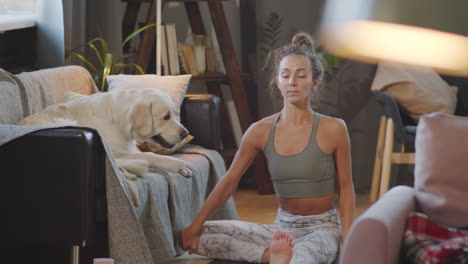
(67, 24)
(74, 20)
(50, 32)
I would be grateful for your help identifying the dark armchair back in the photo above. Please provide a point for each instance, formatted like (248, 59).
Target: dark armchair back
(200, 114)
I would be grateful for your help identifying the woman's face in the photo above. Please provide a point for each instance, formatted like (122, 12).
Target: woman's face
(295, 79)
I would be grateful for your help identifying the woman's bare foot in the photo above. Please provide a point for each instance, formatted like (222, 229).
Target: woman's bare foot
(281, 249)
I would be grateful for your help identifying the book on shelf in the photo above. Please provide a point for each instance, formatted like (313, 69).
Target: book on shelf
(188, 59)
(164, 53)
(174, 66)
(183, 61)
(210, 60)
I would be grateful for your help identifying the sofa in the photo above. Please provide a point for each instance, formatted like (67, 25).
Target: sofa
(385, 233)
(64, 197)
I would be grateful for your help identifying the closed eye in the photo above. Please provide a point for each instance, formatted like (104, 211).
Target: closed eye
(167, 116)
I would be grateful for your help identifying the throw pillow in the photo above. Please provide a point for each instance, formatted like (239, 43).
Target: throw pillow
(427, 242)
(418, 90)
(441, 168)
(174, 86)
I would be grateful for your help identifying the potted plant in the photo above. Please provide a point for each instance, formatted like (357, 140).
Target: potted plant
(106, 64)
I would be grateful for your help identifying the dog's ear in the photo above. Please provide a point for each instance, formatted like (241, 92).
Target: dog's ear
(141, 119)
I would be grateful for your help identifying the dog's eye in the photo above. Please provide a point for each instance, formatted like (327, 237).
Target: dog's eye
(167, 116)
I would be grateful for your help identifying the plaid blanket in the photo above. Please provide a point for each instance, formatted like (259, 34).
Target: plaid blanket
(427, 242)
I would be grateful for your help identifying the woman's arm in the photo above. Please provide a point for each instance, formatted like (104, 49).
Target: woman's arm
(248, 149)
(345, 182)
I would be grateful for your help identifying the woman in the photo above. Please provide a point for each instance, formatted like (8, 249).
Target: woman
(308, 157)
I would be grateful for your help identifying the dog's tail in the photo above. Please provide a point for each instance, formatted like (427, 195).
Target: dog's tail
(133, 168)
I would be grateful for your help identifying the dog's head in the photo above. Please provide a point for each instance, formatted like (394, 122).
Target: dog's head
(151, 119)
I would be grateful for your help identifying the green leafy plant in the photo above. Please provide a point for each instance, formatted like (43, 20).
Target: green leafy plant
(271, 33)
(106, 64)
(330, 60)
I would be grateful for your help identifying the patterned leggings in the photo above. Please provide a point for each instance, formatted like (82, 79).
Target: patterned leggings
(317, 238)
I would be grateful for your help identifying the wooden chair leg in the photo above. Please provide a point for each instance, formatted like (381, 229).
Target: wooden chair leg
(377, 174)
(387, 157)
(75, 255)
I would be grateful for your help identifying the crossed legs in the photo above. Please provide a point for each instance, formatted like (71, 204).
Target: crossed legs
(244, 241)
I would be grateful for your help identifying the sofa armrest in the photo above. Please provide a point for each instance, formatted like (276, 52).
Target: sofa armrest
(200, 114)
(55, 191)
(376, 235)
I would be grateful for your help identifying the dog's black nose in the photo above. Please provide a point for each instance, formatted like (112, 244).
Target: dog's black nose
(184, 133)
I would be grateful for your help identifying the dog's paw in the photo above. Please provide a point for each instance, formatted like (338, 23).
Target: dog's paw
(177, 165)
(129, 175)
(133, 168)
(186, 172)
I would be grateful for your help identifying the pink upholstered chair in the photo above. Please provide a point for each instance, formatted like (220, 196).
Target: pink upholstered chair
(440, 192)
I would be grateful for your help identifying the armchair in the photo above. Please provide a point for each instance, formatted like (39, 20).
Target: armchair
(418, 90)
(394, 124)
(440, 192)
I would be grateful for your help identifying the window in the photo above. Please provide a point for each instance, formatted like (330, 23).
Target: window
(16, 14)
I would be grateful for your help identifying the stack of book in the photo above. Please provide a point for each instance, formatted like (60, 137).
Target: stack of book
(178, 57)
(188, 57)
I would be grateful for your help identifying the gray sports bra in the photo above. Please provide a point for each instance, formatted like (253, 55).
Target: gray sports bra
(310, 173)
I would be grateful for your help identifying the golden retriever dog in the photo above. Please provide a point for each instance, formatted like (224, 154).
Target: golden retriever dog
(124, 118)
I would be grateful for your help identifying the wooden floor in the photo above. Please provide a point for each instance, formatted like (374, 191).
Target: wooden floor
(253, 207)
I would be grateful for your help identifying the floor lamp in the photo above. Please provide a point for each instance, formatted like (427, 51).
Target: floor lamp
(431, 33)
(158, 36)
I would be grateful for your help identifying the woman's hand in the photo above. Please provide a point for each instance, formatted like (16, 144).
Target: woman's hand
(188, 239)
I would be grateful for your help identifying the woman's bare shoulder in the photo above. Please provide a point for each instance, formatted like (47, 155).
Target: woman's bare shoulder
(258, 132)
(263, 124)
(332, 124)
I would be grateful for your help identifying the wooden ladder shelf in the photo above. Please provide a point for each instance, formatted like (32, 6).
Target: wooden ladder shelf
(232, 77)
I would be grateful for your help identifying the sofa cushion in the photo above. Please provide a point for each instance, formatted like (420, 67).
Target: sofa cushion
(11, 110)
(174, 86)
(51, 86)
(441, 168)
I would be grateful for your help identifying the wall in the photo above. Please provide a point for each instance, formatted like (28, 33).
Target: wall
(299, 15)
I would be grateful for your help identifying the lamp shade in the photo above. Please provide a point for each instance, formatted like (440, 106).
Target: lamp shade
(429, 33)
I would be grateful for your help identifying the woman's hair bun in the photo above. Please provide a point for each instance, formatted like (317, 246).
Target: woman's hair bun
(303, 40)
